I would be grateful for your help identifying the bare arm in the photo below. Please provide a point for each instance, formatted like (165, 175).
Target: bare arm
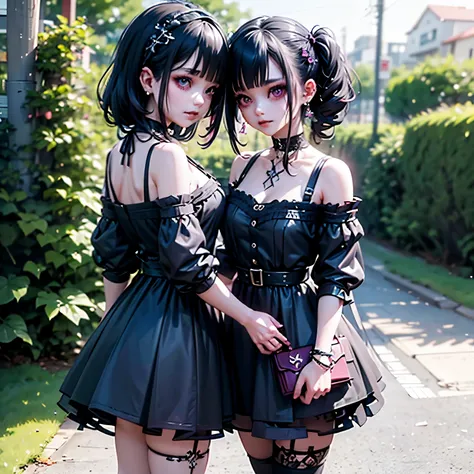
(112, 293)
(337, 188)
(173, 177)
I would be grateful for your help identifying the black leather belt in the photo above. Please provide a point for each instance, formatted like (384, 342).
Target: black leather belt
(259, 277)
(152, 268)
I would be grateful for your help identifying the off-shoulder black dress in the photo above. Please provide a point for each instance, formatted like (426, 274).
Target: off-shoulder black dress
(287, 255)
(155, 359)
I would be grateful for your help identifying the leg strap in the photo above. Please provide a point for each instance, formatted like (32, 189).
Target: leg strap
(289, 460)
(192, 456)
(261, 466)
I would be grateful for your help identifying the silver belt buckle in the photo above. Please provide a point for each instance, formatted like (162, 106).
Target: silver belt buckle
(256, 276)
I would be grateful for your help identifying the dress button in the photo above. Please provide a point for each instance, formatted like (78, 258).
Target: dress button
(254, 245)
(254, 223)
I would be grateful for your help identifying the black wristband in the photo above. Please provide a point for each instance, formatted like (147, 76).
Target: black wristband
(319, 352)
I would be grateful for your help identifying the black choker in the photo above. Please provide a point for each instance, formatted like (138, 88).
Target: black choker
(296, 142)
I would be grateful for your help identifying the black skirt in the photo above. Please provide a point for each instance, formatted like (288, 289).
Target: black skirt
(155, 360)
(257, 393)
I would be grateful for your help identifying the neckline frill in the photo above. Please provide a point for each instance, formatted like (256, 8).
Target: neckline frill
(198, 195)
(252, 205)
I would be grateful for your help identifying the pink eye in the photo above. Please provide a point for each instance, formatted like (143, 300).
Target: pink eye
(278, 91)
(243, 100)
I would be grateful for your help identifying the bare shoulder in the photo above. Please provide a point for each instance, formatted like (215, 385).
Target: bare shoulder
(169, 170)
(238, 165)
(115, 150)
(336, 182)
(168, 154)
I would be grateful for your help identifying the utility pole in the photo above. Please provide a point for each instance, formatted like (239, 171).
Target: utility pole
(22, 39)
(344, 40)
(378, 55)
(69, 10)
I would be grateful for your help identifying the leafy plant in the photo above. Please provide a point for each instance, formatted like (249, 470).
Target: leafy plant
(438, 178)
(383, 183)
(431, 83)
(49, 286)
(417, 183)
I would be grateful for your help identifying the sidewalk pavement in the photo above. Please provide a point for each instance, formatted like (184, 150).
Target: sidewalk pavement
(441, 340)
(83, 452)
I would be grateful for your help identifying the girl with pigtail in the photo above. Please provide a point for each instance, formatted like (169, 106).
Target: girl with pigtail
(153, 368)
(291, 238)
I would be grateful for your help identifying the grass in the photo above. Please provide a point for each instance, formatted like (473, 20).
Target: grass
(29, 416)
(416, 270)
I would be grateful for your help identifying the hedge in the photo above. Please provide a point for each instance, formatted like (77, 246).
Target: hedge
(352, 144)
(437, 210)
(417, 182)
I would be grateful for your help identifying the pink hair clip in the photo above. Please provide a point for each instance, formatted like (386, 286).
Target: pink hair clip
(305, 54)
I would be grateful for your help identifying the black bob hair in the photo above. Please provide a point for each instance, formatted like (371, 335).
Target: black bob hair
(123, 99)
(301, 55)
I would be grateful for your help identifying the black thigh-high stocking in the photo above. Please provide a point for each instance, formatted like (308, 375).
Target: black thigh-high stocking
(261, 466)
(258, 450)
(291, 460)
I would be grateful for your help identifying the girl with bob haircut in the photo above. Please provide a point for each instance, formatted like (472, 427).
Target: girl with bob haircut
(292, 240)
(153, 367)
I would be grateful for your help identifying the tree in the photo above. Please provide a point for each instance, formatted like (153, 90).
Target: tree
(228, 13)
(367, 79)
(105, 16)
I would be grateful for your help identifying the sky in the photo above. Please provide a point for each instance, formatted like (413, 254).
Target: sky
(357, 16)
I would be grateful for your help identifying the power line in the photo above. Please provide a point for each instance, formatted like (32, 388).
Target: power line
(391, 5)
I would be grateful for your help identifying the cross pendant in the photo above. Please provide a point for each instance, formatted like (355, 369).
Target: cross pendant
(272, 174)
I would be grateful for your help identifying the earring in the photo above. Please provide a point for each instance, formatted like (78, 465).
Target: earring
(243, 129)
(308, 112)
(147, 92)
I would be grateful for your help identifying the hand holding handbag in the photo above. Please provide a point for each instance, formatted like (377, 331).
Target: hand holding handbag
(289, 364)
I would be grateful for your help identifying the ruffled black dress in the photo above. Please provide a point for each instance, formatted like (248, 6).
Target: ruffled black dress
(299, 239)
(155, 359)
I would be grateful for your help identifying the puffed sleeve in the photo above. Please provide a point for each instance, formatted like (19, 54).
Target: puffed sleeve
(339, 268)
(113, 251)
(227, 265)
(184, 257)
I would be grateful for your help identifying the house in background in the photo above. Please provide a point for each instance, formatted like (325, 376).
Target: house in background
(437, 25)
(462, 46)
(364, 52)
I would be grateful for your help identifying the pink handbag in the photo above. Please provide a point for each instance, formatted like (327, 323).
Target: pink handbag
(289, 364)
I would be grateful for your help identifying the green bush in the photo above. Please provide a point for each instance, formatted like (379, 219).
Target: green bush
(417, 183)
(429, 84)
(383, 183)
(436, 214)
(219, 157)
(49, 285)
(352, 144)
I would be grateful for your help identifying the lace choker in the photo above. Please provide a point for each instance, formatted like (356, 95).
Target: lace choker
(296, 142)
